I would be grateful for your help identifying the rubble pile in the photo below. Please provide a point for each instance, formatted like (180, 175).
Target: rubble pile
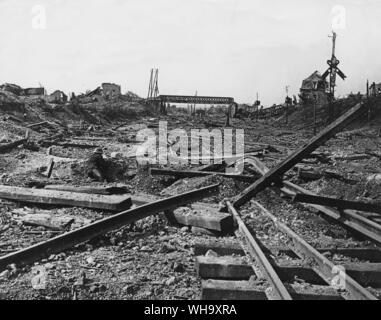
(87, 146)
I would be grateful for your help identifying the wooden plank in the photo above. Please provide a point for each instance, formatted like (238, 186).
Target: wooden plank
(101, 227)
(219, 247)
(192, 174)
(49, 171)
(212, 167)
(227, 268)
(36, 125)
(337, 203)
(90, 190)
(245, 290)
(203, 216)
(278, 171)
(226, 248)
(48, 221)
(230, 290)
(236, 268)
(63, 198)
(9, 146)
(207, 219)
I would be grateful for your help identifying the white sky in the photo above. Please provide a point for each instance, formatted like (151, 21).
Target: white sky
(217, 47)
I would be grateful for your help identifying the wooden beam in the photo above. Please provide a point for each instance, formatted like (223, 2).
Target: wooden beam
(230, 290)
(337, 203)
(9, 146)
(63, 198)
(207, 219)
(226, 248)
(222, 248)
(36, 125)
(233, 268)
(246, 290)
(278, 171)
(90, 190)
(191, 174)
(101, 227)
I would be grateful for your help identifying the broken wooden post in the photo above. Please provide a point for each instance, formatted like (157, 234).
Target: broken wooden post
(337, 203)
(206, 218)
(62, 198)
(49, 171)
(276, 173)
(103, 226)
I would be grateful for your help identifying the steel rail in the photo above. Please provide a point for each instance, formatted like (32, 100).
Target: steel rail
(260, 257)
(323, 267)
(347, 218)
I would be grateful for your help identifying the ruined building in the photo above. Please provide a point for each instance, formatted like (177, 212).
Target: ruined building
(111, 90)
(57, 97)
(314, 87)
(375, 89)
(17, 90)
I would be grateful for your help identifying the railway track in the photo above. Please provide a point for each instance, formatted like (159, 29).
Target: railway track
(295, 271)
(248, 269)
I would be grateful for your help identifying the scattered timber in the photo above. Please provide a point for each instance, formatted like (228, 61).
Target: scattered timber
(275, 174)
(90, 190)
(321, 264)
(63, 198)
(78, 236)
(349, 218)
(192, 174)
(337, 203)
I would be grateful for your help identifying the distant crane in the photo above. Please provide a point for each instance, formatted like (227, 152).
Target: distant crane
(153, 89)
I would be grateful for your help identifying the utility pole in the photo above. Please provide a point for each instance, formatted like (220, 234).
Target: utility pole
(315, 102)
(194, 105)
(257, 104)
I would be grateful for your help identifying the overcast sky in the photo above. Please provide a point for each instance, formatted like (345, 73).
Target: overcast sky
(217, 47)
